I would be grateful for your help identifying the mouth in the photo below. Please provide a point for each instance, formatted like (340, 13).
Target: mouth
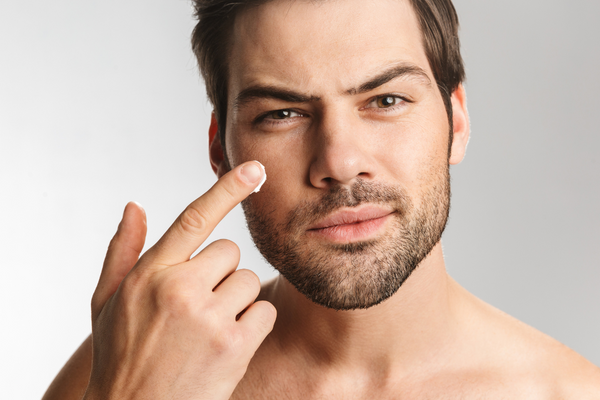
(351, 225)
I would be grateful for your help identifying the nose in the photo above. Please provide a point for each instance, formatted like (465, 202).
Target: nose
(342, 152)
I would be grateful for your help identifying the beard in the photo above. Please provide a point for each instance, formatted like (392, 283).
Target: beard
(361, 274)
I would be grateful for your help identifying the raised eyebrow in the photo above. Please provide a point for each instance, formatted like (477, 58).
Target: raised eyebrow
(271, 92)
(399, 71)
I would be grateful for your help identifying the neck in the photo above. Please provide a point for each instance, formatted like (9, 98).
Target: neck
(413, 325)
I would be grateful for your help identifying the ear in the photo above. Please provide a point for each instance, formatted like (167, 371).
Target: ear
(461, 124)
(216, 154)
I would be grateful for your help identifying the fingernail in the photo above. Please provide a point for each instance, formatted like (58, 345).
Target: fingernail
(251, 172)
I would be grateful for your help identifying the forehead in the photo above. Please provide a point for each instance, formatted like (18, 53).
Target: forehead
(320, 46)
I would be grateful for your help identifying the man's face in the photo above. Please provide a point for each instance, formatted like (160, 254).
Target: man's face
(337, 100)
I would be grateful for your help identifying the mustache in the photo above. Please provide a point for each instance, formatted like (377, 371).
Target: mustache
(339, 196)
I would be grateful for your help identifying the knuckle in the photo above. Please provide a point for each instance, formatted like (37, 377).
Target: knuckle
(194, 220)
(230, 190)
(129, 291)
(228, 341)
(174, 296)
(136, 279)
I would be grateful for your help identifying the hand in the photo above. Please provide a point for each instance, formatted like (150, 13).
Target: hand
(167, 326)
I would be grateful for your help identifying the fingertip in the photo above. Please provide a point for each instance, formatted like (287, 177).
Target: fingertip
(135, 204)
(133, 207)
(268, 311)
(273, 309)
(134, 219)
(253, 173)
(261, 313)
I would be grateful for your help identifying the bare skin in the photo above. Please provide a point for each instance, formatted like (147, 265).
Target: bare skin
(430, 340)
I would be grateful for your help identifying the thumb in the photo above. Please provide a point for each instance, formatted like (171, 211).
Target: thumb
(123, 253)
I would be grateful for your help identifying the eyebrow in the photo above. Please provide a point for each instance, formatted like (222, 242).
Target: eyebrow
(270, 92)
(404, 70)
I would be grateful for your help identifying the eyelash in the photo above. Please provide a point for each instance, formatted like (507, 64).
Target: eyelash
(262, 119)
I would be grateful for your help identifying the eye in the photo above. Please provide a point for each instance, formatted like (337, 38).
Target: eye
(282, 114)
(386, 101)
(278, 119)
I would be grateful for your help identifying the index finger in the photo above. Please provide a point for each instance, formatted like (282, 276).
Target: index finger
(200, 218)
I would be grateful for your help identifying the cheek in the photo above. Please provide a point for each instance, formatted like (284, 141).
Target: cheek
(286, 172)
(410, 150)
(281, 192)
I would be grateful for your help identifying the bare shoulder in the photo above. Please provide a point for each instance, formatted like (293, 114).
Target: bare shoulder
(530, 358)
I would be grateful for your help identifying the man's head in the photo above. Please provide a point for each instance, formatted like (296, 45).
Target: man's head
(349, 111)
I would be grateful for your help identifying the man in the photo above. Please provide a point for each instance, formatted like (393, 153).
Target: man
(356, 110)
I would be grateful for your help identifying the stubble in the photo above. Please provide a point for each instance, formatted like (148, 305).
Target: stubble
(360, 274)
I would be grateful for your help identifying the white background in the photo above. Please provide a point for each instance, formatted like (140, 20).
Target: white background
(100, 103)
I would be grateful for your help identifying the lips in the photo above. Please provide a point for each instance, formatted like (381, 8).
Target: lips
(351, 225)
(347, 217)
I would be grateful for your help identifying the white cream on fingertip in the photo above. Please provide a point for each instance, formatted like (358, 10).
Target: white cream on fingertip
(264, 178)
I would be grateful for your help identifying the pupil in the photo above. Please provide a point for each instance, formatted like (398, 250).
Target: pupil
(387, 101)
(282, 114)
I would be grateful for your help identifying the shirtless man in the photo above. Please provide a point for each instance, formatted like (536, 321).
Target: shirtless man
(356, 109)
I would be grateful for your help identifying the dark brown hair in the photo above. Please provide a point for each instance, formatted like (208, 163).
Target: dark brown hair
(210, 42)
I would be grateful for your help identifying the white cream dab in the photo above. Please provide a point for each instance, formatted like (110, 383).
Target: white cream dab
(264, 178)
